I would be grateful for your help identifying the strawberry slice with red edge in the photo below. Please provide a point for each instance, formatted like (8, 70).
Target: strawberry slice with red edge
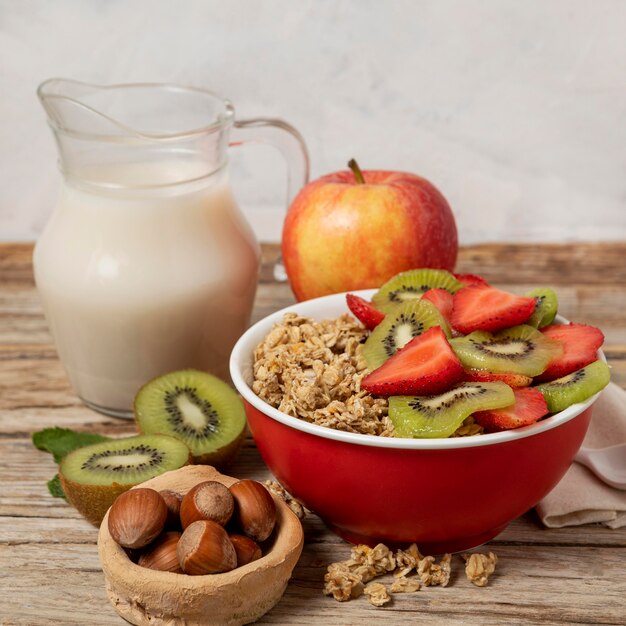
(424, 366)
(364, 311)
(471, 279)
(510, 378)
(442, 299)
(486, 308)
(580, 344)
(530, 406)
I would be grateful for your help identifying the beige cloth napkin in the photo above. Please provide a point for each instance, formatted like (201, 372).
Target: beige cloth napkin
(581, 497)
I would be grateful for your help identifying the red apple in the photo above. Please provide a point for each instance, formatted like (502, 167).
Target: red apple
(355, 230)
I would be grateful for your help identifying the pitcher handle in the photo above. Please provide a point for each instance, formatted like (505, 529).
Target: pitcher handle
(289, 141)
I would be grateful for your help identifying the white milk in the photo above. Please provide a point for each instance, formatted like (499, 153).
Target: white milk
(137, 283)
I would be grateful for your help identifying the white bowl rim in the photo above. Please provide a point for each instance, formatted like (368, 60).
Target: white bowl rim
(246, 343)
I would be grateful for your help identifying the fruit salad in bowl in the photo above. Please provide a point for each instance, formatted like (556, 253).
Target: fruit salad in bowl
(434, 410)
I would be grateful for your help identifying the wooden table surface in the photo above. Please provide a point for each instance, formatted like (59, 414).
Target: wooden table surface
(49, 568)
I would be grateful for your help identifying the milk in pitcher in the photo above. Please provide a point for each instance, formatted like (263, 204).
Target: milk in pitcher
(146, 278)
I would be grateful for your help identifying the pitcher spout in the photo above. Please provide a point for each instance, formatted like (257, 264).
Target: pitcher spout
(68, 105)
(96, 126)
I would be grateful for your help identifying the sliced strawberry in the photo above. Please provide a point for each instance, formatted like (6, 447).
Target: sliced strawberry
(426, 365)
(471, 279)
(486, 308)
(485, 376)
(580, 344)
(442, 299)
(364, 311)
(529, 407)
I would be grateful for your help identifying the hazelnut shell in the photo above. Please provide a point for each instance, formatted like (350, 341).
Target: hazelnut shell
(204, 548)
(161, 553)
(255, 511)
(172, 501)
(210, 500)
(246, 549)
(137, 517)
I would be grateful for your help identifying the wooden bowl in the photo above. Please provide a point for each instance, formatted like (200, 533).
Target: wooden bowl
(241, 596)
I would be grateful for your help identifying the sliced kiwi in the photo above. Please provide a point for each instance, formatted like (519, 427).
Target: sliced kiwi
(197, 408)
(575, 387)
(410, 285)
(520, 350)
(93, 476)
(408, 320)
(545, 309)
(441, 415)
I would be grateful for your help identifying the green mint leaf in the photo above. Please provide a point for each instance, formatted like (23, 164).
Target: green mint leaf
(55, 489)
(60, 441)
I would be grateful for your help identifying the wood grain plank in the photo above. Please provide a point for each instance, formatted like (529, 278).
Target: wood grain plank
(584, 586)
(558, 263)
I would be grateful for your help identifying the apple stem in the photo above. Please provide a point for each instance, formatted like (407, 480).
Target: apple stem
(358, 174)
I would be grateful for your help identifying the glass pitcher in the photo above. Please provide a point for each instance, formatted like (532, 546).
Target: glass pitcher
(146, 264)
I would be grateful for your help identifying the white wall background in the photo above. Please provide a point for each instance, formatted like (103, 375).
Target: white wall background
(515, 110)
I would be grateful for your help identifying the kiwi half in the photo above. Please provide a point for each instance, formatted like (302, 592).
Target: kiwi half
(410, 285)
(441, 415)
(406, 321)
(519, 350)
(575, 387)
(93, 476)
(545, 308)
(197, 408)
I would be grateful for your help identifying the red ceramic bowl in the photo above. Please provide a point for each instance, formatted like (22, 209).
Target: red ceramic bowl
(444, 494)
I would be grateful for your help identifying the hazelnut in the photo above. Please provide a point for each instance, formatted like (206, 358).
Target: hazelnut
(246, 549)
(209, 500)
(204, 548)
(172, 501)
(161, 553)
(137, 517)
(255, 511)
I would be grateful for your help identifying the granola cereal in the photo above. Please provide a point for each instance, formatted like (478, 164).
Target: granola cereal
(433, 573)
(277, 489)
(341, 583)
(405, 585)
(407, 560)
(346, 579)
(478, 567)
(377, 594)
(468, 428)
(380, 557)
(313, 370)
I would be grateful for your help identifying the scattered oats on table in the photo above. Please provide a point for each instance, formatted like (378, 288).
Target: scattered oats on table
(405, 585)
(433, 573)
(341, 583)
(407, 561)
(345, 580)
(377, 594)
(278, 490)
(478, 567)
